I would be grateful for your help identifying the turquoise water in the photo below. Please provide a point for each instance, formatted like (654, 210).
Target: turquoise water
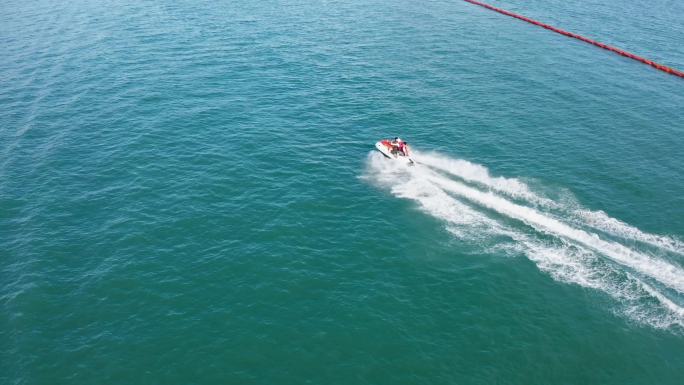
(188, 193)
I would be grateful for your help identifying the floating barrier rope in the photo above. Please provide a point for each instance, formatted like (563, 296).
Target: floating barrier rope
(618, 51)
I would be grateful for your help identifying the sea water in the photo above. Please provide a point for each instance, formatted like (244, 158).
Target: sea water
(189, 193)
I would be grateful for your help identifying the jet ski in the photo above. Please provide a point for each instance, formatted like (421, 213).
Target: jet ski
(388, 150)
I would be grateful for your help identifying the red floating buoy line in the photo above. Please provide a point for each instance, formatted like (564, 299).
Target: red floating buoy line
(618, 51)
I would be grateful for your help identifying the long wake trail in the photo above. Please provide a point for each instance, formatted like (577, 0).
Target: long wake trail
(569, 242)
(573, 212)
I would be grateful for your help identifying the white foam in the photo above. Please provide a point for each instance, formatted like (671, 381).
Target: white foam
(403, 182)
(573, 264)
(564, 263)
(515, 188)
(664, 272)
(479, 174)
(602, 221)
(675, 314)
(571, 254)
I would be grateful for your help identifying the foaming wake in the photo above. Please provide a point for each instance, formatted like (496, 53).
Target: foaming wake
(514, 188)
(569, 242)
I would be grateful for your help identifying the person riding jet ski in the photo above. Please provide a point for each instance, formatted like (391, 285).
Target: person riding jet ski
(396, 145)
(404, 148)
(400, 147)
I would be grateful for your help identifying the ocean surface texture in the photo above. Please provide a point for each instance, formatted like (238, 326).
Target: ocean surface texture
(189, 193)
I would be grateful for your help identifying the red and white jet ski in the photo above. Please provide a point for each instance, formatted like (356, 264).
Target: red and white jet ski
(387, 149)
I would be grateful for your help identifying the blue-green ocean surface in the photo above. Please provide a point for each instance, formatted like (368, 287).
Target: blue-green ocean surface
(188, 193)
